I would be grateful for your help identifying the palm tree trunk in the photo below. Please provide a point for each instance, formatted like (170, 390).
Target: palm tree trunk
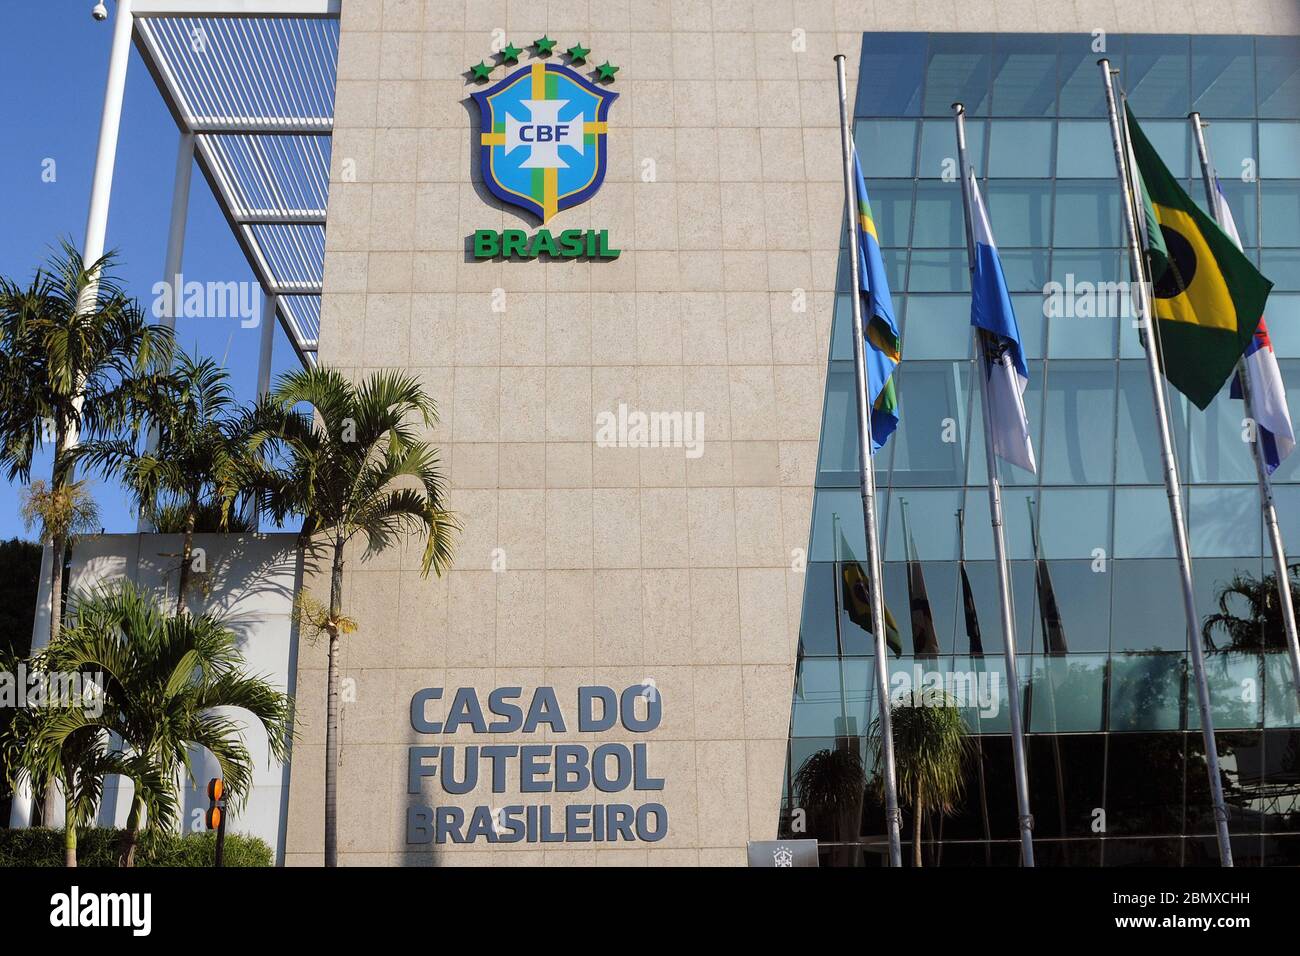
(70, 826)
(187, 555)
(131, 835)
(57, 547)
(918, 814)
(332, 711)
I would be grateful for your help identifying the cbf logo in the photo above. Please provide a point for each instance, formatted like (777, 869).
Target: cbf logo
(543, 131)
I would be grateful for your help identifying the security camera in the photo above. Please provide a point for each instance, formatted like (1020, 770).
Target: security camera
(99, 11)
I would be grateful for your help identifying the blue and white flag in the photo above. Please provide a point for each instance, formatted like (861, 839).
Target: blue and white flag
(1267, 390)
(1004, 366)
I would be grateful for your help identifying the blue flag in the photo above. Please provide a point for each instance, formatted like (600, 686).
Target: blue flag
(1004, 360)
(882, 350)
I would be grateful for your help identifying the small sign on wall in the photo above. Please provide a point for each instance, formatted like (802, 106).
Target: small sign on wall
(782, 853)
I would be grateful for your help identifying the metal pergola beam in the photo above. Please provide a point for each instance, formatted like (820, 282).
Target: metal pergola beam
(304, 9)
(239, 219)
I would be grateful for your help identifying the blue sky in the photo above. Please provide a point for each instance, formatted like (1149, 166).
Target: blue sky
(53, 72)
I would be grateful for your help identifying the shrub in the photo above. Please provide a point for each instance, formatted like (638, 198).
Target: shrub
(99, 847)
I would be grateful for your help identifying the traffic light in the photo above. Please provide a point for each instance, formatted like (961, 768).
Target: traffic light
(216, 815)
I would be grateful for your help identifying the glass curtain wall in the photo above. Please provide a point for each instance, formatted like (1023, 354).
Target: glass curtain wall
(1116, 760)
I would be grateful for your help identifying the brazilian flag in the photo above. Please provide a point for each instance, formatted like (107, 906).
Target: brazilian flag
(1208, 296)
(857, 598)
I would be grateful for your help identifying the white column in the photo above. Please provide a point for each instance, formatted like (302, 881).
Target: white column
(270, 306)
(176, 227)
(101, 186)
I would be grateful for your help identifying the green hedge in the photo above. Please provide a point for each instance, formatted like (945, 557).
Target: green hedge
(37, 846)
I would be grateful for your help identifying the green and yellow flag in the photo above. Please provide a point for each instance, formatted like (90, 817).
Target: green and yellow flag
(1208, 296)
(857, 597)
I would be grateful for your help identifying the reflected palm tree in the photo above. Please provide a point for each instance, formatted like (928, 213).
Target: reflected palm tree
(830, 786)
(1263, 609)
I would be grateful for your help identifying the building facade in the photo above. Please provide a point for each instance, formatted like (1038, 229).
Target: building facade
(687, 581)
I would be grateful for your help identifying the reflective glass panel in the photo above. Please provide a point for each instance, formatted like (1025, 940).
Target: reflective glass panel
(1020, 149)
(1223, 76)
(886, 147)
(1079, 423)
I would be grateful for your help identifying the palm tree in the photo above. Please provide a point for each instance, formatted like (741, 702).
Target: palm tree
(930, 748)
(78, 764)
(166, 680)
(1263, 612)
(353, 468)
(187, 473)
(67, 370)
(830, 786)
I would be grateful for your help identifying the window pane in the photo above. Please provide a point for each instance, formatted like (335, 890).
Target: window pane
(891, 208)
(1083, 148)
(1223, 76)
(1142, 528)
(1024, 269)
(1138, 447)
(939, 149)
(1079, 424)
(1221, 604)
(1283, 267)
(1088, 214)
(1066, 776)
(1081, 89)
(890, 74)
(831, 697)
(817, 627)
(930, 444)
(886, 147)
(940, 328)
(1019, 211)
(1065, 695)
(1083, 599)
(1173, 141)
(1144, 786)
(931, 519)
(1277, 75)
(1147, 594)
(939, 220)
(1241, 765)
(1146, 692)
(1234, 682)
(836, 510)
(1024, 75)
(1280, 707)
(1086, 305)
(1156, 73)
(1244, 203)
(1032, 323)
(1021, 148)
(1074, 523)
(1279, 150)
(1219, 451)
(1231, 145)
(957, 71)
(939, 271)
(1281, 212)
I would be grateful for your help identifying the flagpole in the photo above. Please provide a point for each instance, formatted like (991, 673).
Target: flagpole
(1266, 501)
(1170, 468)
(893, 818)
(1026, 819)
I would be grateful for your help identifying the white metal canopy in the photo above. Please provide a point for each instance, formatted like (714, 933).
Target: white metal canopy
(251, 85)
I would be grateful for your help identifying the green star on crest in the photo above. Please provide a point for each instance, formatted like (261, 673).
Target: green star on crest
(607, 70)
(510, 53)
(481, 70)
(544, 46)
(578, 53)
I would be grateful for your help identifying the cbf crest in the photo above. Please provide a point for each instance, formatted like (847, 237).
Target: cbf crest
(543, 131)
